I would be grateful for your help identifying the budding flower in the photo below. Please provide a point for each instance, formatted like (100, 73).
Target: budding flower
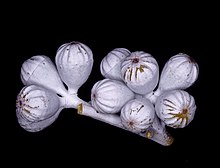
(74, 62)
(36, 107)
(140, 72)
(180, 72)
(40, 70)
(137, 115)
(110, 66)
(175, 108)
(109, 96)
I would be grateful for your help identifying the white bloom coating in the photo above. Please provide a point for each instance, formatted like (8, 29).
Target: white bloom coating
(38, 105)
(180, 72)
(34, 105)
(110, 66)
(140, 72)
(74, 63)
(109, 96)
(40, 70)
(137, 115)
(175, 108)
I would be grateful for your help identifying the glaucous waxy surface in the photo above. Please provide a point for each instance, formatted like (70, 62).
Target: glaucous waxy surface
(126, 99)
(40, 70)
(109, 96)
(110, 66)
(137, 115)
(175, 108)
(34, 105)
(140, 72)
(74, 62)
(180, 72)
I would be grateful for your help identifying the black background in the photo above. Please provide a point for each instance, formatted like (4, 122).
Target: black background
(39, 32)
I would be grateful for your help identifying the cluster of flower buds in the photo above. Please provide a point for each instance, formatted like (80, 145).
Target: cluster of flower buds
(127, 98)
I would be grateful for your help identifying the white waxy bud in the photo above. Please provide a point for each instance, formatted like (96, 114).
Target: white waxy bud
(180, 72)
(140, 72)
(111, 64)
(36, 107)
(109, 96)
(137, 115)
(175, 108)
(40, 70)
(74, 63)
